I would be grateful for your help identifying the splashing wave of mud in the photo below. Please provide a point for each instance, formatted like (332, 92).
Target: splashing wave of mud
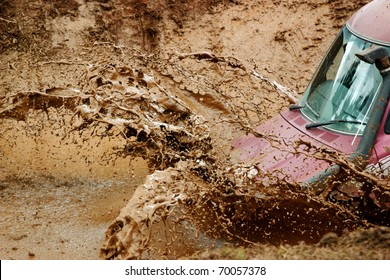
(200, 208)
(195, 200)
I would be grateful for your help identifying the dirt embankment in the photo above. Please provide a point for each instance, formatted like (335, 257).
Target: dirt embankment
(98, 94)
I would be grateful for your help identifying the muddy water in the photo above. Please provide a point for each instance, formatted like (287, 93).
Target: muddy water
(71, 161)
(58, 195)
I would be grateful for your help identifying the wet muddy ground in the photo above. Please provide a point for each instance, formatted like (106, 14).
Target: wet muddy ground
(97, 95)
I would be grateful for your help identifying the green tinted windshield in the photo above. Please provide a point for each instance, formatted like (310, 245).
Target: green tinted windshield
(343, 87)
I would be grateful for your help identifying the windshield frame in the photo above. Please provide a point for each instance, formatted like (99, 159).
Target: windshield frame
(360, 93)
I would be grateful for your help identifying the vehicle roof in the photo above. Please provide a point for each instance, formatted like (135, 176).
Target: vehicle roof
(372, 22)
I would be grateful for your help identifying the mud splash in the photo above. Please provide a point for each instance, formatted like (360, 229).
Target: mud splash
(184, 210)
(194, 200)
(197, 193)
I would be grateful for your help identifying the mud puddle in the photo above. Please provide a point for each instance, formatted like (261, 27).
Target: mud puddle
(58, 196)
(37, 225)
